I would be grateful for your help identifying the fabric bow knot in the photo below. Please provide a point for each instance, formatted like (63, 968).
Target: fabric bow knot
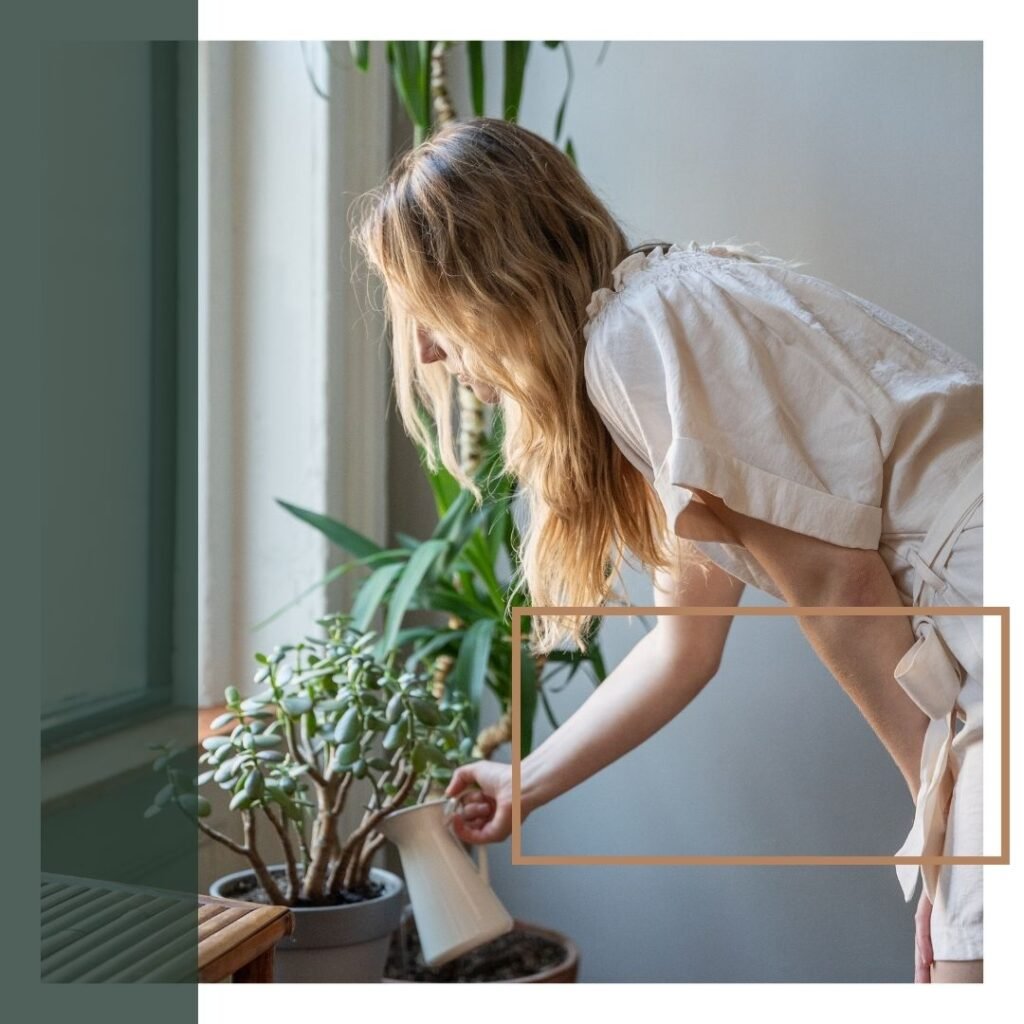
(931, 677)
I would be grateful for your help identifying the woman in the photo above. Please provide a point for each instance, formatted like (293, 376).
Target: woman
(726, 419)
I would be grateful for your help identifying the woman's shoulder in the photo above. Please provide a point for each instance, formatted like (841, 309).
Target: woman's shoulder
(736, 292)
(715, 260)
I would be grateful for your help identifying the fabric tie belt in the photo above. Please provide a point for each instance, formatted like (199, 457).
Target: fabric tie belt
(932, 678)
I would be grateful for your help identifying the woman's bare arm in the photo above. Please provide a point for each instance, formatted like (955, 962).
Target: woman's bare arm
(860, 651)
(663, 672)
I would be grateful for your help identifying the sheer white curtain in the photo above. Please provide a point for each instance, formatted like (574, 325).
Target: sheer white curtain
(291, 369)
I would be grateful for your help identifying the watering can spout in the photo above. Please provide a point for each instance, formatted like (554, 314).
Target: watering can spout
(455, 909)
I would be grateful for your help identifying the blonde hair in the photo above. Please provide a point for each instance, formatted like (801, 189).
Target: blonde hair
(488, 235)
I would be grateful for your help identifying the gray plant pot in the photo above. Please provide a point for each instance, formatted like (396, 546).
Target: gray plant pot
(329, 944)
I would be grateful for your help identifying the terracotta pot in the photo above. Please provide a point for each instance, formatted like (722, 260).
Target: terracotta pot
(563, 972)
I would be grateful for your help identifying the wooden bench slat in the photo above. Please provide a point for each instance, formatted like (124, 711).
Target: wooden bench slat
(228, 915)
(92, 932)
(241, 943)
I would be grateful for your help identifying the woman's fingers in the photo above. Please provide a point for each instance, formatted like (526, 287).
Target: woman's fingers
(482, 831)
(476, 810)
(466, 831)
(460, 779)
(483, 814)
(923, 955)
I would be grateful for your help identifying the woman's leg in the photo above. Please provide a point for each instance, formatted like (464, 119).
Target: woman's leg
(958, 971)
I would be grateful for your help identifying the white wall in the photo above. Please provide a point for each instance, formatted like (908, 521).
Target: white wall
(865, 160)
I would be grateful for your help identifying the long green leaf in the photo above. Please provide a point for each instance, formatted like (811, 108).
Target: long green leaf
(597, 660)
(360, 55)
(568, 657)
(548, 709)
(569, 78)
(471, 530)
(442, 639)
(475, 53)
(496, 533)
(424, 70)
(381, 558)
(406, 636)
(449, 525)
(337, 571)
(528, 684)
(516, 54)
(477, 554)
(338, 533)
(371, 593)
(445, 487)
(408, 584)
(412, 80)
(471, 667)
(446, 600)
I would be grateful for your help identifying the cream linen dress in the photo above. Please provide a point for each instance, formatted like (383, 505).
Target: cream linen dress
(805, 406)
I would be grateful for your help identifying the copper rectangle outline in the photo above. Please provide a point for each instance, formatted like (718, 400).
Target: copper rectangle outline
(518, 613)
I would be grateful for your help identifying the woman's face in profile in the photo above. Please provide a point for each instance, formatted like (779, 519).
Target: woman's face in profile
(433, 348)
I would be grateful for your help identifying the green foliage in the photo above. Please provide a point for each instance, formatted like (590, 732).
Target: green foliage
(475, 59)
(516, 54)
(456, 571)
(410, 72)
(326, 707)
(409, 63)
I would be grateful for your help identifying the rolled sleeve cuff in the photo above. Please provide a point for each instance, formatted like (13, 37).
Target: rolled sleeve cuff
(763, 495)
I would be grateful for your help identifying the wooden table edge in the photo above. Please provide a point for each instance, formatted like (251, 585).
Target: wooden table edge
(277, 922)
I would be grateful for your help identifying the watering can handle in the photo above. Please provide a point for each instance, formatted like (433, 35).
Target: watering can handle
(451, 806)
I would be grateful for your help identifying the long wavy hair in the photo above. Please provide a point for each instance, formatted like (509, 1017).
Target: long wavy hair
(488, 235)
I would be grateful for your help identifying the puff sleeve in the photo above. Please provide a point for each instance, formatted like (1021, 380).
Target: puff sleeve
(718, 386)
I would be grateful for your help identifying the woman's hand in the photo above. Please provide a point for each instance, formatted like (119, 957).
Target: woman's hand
(485, 814)
(923, 956)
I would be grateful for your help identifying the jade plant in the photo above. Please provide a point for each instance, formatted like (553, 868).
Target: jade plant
(329, 712)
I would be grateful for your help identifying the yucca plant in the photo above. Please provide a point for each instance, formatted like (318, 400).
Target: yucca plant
(418, 71)
(456, 570)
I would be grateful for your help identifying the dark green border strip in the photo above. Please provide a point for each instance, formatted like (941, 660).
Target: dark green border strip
(21, 412)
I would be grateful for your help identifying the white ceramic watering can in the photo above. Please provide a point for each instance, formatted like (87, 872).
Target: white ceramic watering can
(455, 909)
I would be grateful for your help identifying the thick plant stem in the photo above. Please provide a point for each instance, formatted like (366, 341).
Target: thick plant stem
(367, 855)
(353, 873)
(339, 796)
(471, 430)
(293, 749)
(303, 844)
(355, 840)
(494, 736)
(489, 739)
(322, 847)
(258, 865)
(444, 112)
(220, 837)
(471, 418)
(358, 852)
(443, 665)
(281, 828)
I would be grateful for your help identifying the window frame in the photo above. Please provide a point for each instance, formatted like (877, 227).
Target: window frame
(85, 719)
